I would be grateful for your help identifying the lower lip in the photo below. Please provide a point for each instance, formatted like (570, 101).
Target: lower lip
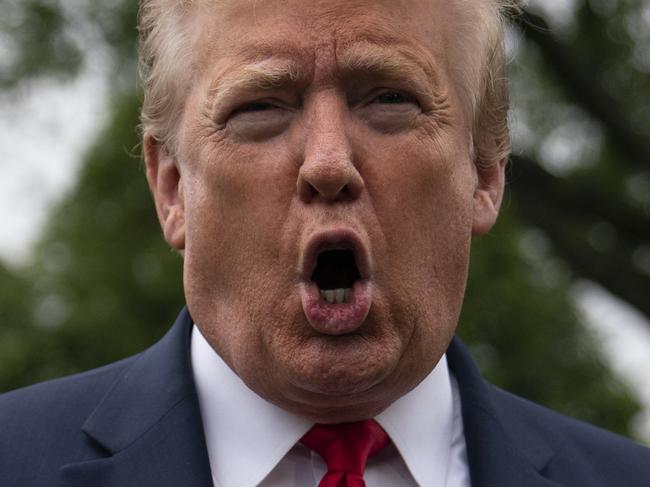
(336, 319)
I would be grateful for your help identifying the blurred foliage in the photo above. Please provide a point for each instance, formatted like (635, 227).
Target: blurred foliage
(525, 333)
(103, 284)
(35, 29)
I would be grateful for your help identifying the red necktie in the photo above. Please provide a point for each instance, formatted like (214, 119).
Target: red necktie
(345, 448)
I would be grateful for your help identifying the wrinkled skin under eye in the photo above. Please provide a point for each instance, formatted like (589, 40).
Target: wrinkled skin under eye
(259, 120)
(390, 111)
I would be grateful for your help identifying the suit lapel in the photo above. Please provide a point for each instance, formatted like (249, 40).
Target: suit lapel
(149, 423)
(496, 459)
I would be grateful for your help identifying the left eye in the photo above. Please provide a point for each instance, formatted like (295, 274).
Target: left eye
(393, 98)
(389, 110)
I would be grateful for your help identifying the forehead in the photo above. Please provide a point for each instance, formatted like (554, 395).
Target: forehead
(309, 30)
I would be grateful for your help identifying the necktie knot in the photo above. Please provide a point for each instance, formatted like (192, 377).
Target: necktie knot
(345, 448)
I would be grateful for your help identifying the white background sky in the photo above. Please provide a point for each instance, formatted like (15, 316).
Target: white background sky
(47, 127)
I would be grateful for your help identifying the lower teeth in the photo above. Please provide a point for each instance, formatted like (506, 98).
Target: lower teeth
(338, 296)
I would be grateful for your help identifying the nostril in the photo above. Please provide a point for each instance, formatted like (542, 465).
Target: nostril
(306, 192)
(332, 191)
(329, 179)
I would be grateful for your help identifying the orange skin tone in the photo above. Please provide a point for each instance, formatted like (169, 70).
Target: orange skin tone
(340, 140)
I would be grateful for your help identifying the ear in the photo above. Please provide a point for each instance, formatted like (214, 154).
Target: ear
(488, 195)
(164, 177)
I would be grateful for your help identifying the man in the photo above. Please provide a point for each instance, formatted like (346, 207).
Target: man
(322, 167)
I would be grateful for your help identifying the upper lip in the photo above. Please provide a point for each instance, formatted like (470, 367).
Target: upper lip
(334, 240)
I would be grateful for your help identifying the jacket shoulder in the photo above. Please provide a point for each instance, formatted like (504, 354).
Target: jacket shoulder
(66, 394)
(44, 422)
(584, 454)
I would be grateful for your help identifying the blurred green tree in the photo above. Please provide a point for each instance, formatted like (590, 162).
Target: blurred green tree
(103, 284)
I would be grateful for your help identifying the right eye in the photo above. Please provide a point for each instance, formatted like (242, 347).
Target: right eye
(257, 106)
(259, 120)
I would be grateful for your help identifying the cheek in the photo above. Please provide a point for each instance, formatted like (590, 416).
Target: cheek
(236, 205)
(424, 205)
(422, 189)
(234, 211)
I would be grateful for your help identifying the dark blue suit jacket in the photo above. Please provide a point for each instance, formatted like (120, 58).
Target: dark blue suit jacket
(136, 423)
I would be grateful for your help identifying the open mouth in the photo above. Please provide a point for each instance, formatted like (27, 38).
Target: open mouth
(336, 292)
(335, 274)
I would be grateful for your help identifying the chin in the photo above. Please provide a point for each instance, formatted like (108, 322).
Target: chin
(338, 388)
(323, 404)
(342, 414)
(341, 382)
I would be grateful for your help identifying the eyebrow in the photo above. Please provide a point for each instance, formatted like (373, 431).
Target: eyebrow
(390, 62)
(263, 75)
(365, 57)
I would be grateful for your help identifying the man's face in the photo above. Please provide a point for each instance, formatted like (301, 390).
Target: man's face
(326, 197)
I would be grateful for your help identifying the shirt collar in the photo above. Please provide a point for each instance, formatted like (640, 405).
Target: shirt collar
(420, 426)
(240, 425)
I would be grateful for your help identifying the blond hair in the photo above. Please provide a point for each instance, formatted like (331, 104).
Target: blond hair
(479, 75)
(164, 47)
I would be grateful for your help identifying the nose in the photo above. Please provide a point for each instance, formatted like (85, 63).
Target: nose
(328, 171)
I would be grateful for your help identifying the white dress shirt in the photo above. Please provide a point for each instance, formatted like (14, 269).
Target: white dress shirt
(252, 442)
